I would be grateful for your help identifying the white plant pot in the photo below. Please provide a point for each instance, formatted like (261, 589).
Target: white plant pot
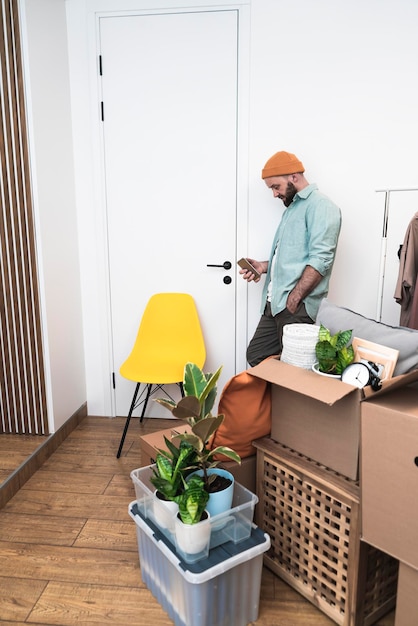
(318, 371)
(193, 538)
(165, 512)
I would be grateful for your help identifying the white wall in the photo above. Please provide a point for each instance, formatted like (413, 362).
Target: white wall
(335, 82)
(50, 126)
(331, 80)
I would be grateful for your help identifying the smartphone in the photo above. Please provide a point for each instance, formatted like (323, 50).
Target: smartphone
(246, 265)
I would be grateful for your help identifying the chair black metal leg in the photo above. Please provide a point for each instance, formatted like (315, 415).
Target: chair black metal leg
(149, 388)
(128, 419)
(135, 402)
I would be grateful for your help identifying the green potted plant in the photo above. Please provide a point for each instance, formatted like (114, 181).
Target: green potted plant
(333, 352)
(171, 465)
(195, 408)
(192, 527)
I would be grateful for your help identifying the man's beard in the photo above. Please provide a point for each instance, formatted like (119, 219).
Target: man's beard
(291, 191)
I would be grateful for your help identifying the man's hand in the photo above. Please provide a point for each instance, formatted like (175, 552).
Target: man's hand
(260, 266)
(307, 282)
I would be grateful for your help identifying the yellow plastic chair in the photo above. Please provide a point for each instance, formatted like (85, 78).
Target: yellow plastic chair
(169, 336)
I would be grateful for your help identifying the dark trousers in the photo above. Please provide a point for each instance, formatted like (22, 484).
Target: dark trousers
(267, 339)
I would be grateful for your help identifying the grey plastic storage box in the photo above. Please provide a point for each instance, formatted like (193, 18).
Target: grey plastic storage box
(222, 590)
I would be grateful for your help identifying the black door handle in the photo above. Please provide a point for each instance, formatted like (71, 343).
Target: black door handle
(226, 265)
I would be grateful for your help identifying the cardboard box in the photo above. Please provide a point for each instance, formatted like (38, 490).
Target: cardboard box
(389, 474)
(319, 416)
(407, 598)
(244, 473)
(150, 443)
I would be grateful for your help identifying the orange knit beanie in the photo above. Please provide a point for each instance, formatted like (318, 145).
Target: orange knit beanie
(280, 164)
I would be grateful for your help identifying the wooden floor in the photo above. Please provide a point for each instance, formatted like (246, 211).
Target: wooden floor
(68, 552)
(14, 450)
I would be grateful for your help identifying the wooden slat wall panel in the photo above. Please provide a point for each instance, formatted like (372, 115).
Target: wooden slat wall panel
(22, 382)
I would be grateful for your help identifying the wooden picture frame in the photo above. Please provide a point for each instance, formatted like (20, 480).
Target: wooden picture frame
(375, 352)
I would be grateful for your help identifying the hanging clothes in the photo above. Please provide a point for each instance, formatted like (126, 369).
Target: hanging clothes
(413, 317)
(406, 291)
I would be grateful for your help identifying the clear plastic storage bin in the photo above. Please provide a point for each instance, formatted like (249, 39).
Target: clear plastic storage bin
(234, 525)
(222, 590)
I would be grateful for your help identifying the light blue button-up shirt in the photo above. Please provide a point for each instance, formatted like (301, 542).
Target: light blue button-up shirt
(307, 235)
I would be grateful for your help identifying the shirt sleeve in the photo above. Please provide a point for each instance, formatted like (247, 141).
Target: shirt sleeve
(323, 221)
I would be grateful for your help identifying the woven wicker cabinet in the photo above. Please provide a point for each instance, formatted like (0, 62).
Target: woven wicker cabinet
(312, 516)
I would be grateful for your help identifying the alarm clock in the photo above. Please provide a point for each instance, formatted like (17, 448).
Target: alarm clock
(362, 373)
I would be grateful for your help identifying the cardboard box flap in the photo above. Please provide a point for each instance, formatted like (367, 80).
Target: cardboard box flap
(308, 383)
(390, 385)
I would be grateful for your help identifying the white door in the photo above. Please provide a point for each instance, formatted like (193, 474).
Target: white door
(169, 88)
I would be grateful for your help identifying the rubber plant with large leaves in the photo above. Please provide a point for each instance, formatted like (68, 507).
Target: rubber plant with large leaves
(200, 390)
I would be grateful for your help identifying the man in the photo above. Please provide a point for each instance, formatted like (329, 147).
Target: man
(301, 258)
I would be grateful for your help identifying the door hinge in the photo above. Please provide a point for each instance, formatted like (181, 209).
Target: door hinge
(113, 380)
(101, 74)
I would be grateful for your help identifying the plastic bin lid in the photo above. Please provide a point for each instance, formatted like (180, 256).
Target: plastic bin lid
(216, 555)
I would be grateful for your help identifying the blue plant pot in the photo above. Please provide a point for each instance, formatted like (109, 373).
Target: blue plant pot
(220, 501)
